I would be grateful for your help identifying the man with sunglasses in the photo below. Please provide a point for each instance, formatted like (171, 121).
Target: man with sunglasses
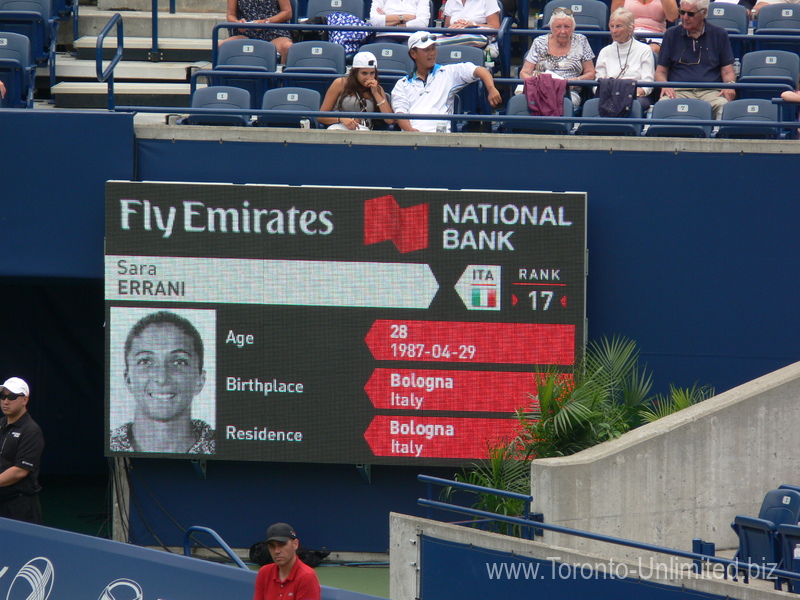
(430, 89)
(21, 445)
(697, 51)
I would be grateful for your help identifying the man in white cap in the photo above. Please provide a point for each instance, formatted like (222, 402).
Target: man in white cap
(288, 577)
(430, 88)
(21, 445)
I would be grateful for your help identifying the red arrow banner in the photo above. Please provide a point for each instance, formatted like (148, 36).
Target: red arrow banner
(436, 437)
(471, 391)
(497, 343)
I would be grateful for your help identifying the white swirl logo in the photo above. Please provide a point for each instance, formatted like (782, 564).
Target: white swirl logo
(122, 589)
(33, 582)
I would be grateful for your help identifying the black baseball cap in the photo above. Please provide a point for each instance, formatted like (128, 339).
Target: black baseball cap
(281, 532)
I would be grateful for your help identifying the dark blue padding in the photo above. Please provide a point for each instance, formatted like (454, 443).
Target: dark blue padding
(591, 108)
(754, 109)
(758, 542)
(302, 100)
(781, 506)
(518, 105)
(219, 96)
(732, 17)
(681, 109)
(317, 8)
(590, 15)
(789, 541)
(17, 70)
(472, 98)
(769, 66)
(247, 55)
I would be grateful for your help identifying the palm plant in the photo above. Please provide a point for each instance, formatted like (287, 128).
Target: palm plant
(677, 399)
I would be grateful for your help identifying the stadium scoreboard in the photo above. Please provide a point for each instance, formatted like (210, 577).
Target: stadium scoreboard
(346, 325)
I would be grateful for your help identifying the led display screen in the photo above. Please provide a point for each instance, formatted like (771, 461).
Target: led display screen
(347, 325)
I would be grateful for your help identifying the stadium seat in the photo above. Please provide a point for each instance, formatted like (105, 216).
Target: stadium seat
(758, 543)
(17, 70)
(590, 15)
(33, 19)
(769, 66)
(314, 57)
(781, 506)
(682, 109)
(319, 8)
(393, 61)
(591, 108)
(778, 19)
(472, 97)
(789, 542)
(754, 109)
(732, 17)
(301, 100)
(221, 96)
(246, 55)
(518, 106)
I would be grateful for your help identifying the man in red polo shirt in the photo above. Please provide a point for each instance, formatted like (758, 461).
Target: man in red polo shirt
(288, 578)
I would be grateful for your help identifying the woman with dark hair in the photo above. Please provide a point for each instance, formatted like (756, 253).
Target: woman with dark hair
(262, 11)
(359, 91)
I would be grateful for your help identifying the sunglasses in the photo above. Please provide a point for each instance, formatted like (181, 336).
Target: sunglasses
(562, 11)
(10, 396)
(689, 13)
(426, 37)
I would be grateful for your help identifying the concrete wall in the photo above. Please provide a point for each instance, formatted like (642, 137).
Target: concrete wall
(682, 477)
(407, 564)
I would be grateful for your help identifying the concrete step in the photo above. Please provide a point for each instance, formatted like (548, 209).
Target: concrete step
(183, 6)
(139, 23)
(87, 94)
(72, 68)
(138, 48)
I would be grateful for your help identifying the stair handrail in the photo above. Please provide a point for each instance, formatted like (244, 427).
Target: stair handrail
(107, 74)
(187, 551)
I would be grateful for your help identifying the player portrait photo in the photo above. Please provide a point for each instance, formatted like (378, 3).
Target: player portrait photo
(162, 380)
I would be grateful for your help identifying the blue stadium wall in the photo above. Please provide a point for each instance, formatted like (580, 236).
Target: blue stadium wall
(693, 255)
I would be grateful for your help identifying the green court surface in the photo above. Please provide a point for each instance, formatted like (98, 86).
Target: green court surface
(373, 580)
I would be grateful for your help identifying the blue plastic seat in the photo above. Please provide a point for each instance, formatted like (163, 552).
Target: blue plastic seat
(758, 543)
(393, 61)
(781, 506)
(591, 108)
(319, 8)
(769, 66)
(732, 17)
(221, 96)
(247, 55)
(314, 57)
(755, 109)
(33, 19)
(300, 100)
(789, 542)
(472, 98)
(518, 106)
(590, 15)
(778, 19)
(17, 70)
(684, 109)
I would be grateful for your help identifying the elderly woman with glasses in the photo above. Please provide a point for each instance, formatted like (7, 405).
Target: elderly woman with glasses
(650, 16)
(562, 52)
(625, 57)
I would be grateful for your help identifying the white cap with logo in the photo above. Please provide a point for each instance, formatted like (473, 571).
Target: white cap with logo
(15, 385)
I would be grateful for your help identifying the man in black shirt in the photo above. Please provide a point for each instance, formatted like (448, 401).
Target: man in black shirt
(21, 445)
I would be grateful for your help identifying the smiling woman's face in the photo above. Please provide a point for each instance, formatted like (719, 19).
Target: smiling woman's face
(163, 372)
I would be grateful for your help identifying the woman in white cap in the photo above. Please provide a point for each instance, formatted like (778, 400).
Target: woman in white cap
(359, 91)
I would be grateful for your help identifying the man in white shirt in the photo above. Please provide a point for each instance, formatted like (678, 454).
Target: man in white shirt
(430, 88)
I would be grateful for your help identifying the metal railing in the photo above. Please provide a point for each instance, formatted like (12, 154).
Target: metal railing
(187, 549)
(736, 566)
(107, 74)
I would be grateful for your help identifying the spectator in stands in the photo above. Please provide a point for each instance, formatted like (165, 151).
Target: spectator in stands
(164, 373)
(762, 3)
(791, 96)
(413, 14)
(2, 89)
(21, 446)
(650, 16)
(262, 11)
(431, 88)
(562, 53)
(626, 57)
(697, 51)
(464, 14)
(287, 577)
(358, 92)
